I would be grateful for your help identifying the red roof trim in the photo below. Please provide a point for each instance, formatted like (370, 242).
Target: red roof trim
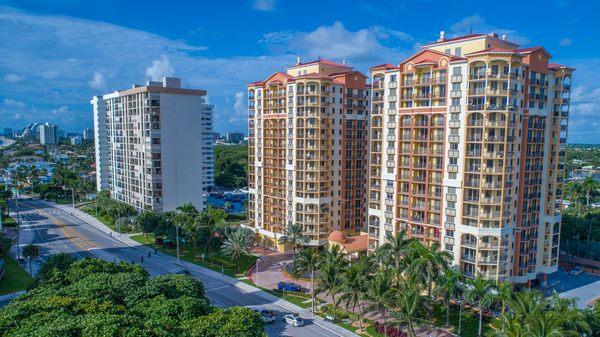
(458, 38)
(324, 61)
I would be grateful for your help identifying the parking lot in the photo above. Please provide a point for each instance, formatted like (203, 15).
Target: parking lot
(586, 287)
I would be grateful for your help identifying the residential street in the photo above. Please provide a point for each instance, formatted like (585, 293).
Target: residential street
(59, 228)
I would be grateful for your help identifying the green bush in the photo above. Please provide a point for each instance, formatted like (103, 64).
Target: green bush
(92, 297)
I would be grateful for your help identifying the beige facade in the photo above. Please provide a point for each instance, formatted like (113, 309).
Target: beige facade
(307, 135)
(466, 149)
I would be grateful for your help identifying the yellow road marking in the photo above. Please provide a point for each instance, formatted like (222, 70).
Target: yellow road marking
(70, 233)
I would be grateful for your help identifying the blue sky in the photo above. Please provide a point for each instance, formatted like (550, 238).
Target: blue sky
(56, 54)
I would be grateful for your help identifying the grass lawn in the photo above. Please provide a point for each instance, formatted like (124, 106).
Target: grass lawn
(213, 261)
(470, 320)
(15, 278)
(105, 219)
(296, 299)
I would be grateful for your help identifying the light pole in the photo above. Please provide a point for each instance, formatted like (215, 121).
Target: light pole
(73, 196)
(460, 304)
(256, 278)
(177, 240)
(18, 223)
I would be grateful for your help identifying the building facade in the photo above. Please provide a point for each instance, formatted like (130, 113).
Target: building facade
(88, 134)
(235, 137)
(307, 137)
(49, 134)
(467, 140)
(154, 145)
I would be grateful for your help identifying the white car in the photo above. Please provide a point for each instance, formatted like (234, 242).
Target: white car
(267, 316)
(294, 320)
(577, 271)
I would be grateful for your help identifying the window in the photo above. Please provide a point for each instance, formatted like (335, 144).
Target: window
(456, 71)
(448, 51)
(457, 51)
(393, 78)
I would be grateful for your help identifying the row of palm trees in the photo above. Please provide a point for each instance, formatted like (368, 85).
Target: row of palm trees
(404, 280)
(204, 230)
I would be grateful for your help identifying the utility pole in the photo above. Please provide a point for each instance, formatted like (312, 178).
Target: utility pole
(73, 196)
(18, 224)
(177, 240)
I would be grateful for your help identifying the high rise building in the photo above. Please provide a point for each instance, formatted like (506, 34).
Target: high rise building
(154, 145)
(235, 137)
(49, 134)
(467, 140)
(8, 132)
(88, 134)
(307, 135)
(76, 140)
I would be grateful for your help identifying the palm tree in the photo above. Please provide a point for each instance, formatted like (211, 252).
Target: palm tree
(448, 288)
(410, 305)
(184, 217)
(355, 285)
(394, 249)
(504, 294)
(380, 294)
(507, 326)
(546, 324)
(331, 272)
(308, 261)
(428, 262)
(212, 220)
(480, 292)
(294, 235)
(238, 243)
(31, 251)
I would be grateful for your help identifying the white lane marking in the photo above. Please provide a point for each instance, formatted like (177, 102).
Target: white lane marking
(217, 288)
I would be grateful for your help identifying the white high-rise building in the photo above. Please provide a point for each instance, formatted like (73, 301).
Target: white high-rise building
(49, 134)
(154, 145)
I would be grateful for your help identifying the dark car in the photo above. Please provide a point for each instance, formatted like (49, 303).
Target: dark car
(183, 272)
(289, 286)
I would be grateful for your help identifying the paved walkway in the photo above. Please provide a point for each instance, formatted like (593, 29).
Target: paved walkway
(271, 269)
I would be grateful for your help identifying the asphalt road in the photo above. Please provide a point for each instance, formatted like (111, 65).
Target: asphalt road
(56, 230)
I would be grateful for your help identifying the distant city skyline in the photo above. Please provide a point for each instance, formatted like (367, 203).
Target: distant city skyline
(220, 52)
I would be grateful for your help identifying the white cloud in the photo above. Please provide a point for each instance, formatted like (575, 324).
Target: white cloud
(477, 24)
(61, 110)
(240, 110)
(160, 68)
(264, 5)
(97, 81)
(12, 78)
(337, 42)
(11, 103)
(565, 42)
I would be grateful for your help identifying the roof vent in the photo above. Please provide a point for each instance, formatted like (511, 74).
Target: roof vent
(297, 60)
(493, 35)
(504, 37)
(344, 62)
(442, 36)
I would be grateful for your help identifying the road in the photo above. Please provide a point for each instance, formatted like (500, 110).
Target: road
(60, 229)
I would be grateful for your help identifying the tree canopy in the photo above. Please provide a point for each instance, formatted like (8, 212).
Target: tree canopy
(92, 297)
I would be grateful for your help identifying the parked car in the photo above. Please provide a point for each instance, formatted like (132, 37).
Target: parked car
(294, 320)
(578, 270)
(268, 316)
(289, 286)
(183, 272)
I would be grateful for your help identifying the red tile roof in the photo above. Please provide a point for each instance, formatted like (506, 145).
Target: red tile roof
(386, 66)
(458, 38)
(532, 49)
(324, 61)
(315, 75)
(556, 66)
